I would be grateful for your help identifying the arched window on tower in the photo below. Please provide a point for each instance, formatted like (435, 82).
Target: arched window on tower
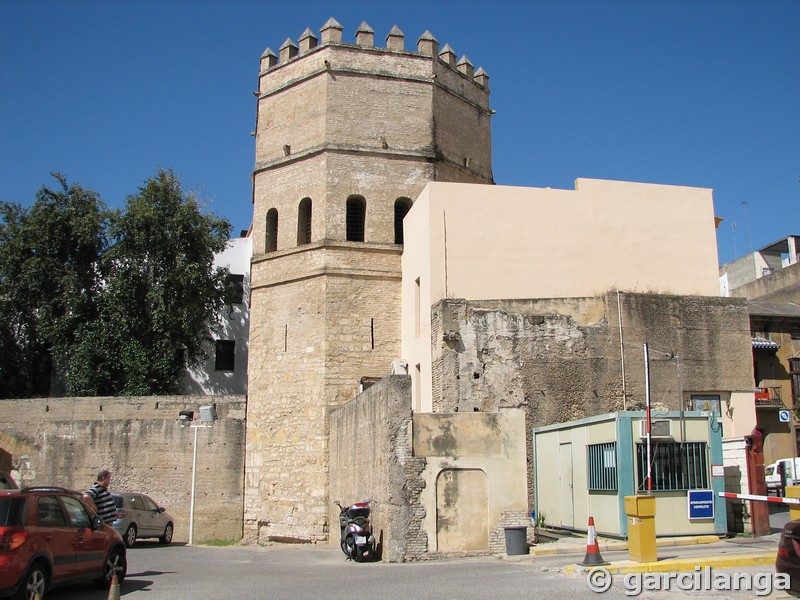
(304, 222)
(401, 208)
(272, 230)
(356, 214)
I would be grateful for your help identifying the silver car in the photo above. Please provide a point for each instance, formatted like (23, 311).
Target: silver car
(139, 517)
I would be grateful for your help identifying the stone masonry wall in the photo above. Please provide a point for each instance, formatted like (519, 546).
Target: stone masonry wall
(370, 458)
(562, 359)
(68, 440)
(319, 337)
(337, 121)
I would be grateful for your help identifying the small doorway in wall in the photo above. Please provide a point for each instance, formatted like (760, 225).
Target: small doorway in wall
(462, 510)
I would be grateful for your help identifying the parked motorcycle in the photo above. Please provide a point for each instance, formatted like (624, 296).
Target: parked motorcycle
(356, 539)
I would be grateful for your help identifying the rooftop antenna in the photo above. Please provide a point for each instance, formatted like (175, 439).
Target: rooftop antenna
(733, 230)
(747, 226)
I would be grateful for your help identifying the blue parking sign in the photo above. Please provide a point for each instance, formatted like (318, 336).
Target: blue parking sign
(701, 504)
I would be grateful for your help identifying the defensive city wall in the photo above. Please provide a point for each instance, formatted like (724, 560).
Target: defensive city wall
(66, 441)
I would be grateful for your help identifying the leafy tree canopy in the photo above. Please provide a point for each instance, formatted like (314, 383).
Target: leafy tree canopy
(107, 302)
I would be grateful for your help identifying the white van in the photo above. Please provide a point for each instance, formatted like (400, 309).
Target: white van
(791, 467)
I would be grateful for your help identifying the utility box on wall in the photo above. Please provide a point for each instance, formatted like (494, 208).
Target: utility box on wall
(585, 469)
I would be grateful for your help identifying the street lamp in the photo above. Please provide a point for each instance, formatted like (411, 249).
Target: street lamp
(208, 415)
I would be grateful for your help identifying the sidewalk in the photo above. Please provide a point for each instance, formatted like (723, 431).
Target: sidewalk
(678, 554)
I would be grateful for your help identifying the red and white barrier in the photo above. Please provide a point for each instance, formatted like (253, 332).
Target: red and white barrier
(761, 498)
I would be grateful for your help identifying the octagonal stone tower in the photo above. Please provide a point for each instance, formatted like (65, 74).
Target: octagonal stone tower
(347, 135)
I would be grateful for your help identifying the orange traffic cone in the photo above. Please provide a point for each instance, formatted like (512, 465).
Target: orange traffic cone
(113, 590)
(592, 558)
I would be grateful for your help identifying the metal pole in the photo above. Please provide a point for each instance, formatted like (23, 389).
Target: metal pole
(194, 482)
(647, 405)
(681, 404)
(622, 355)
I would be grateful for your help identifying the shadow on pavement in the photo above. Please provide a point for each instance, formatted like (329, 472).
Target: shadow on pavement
(778, 516)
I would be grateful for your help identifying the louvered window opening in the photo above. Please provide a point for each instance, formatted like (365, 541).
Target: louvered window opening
(401, 208)
(356, 211)
(675, 466)
(601, 462)
(272, 230)
(304, 222)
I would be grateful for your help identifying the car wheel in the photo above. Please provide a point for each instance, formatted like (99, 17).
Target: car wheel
(130, 536)
(35, 583)
(167, 537)
(115, 565)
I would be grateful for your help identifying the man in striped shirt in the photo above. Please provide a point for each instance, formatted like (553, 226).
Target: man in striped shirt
(102, 500)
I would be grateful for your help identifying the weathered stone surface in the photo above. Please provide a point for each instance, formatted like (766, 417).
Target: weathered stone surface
(336, 122)
(68, 440)
(371, 458)
(563, 359)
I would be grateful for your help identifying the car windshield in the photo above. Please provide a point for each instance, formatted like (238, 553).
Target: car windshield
(11, 510)
(769, 470)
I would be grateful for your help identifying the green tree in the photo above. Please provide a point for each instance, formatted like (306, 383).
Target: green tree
(50, 278)
(161, 295)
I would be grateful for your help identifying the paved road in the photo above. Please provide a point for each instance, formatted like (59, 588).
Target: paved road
(321, 573)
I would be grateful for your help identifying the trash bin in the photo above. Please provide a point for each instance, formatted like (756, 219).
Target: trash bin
(516, 540)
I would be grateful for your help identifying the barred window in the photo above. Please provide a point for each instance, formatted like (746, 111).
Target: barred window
(675, 466)
(355, 218)
(304, 222)
(272, 230)
(234, 288)
(601, 460)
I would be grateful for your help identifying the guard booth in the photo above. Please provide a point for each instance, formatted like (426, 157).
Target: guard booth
(587, 467)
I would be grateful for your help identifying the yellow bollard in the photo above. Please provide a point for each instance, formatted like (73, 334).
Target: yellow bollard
(641, 513)
(793, 491)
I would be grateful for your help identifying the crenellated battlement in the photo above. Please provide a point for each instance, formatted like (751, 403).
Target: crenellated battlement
(331, 35)
(346, 136)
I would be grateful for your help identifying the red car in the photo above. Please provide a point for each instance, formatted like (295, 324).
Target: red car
(48, 538)
(788, 559)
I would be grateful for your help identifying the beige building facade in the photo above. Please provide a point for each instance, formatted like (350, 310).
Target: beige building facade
(499, 242)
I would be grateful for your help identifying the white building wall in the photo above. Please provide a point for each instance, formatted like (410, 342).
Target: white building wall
(235, 326)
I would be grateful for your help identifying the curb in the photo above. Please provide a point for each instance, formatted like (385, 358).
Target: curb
(620, 546)
(678, 565)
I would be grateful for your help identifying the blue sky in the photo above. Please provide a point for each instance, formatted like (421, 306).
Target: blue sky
(700, 93)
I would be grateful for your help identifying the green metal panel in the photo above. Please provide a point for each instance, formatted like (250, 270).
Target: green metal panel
(626, 474)
(717, 483)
